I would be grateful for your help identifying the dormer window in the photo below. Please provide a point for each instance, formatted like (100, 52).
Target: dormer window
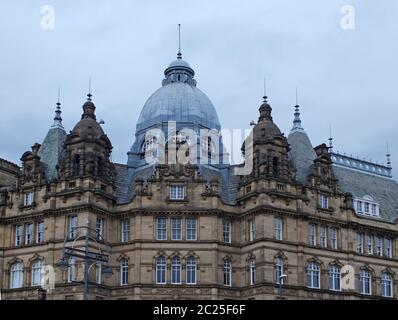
(324, 201)
(366, 206)
(177, 192)
(28, 198)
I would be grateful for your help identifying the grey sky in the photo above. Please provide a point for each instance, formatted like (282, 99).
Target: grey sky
(345, 77)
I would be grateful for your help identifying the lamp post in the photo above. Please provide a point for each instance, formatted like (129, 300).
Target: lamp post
(86, 255)
(281, 277)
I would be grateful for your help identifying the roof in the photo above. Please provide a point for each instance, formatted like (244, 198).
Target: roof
(383, 190)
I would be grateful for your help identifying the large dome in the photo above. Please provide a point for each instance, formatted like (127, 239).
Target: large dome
(178, 100)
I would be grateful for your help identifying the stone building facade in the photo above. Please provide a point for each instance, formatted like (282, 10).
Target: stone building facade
(301, 217)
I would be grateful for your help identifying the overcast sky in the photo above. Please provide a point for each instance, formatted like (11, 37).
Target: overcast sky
(346, 78)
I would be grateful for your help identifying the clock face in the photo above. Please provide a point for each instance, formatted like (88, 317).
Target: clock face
(347, 280)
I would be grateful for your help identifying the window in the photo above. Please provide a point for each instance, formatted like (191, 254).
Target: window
(379, 246)
(37, 273)
(176, 270)
(40, 232)
(365, 282)
(161, 229)
(227, 231)
(227, 273)
(16, 276)
(370, 244)
(313, 275)
(98, 272)
(252, 271)
(333, 238)
(252, 229)
(359, 206)
(366, 206)
(72, 269)
(177, 193)
(312, 234)
(191, 228)
(334, 275)
(323, 237)
(99, 227)
(28, 198)
(386, 285)
(18, 235)
(29, 233)
(324, 201)
(176, 229)
(161, 270)
(73, 226)
(278, 228)
(278, 270)
(360, 242)
(124, 272)
(388, 247)
(125, 230)
(374, 209)
(191, 270)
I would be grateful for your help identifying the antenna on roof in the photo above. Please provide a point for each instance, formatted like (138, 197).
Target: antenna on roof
(179, 54)
(296, 96)
(58, 118)
(265, 90)
(89, 89)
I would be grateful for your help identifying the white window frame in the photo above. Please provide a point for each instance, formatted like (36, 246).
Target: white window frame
(177, 192)
(161, 228)
(176, 268)
(40, 232)
(386, 285)
(324, 201)
(124, 272)
(278, 228)
(99, 227)
(252, 229)
(313, 276)
(161, 270)
(98, 272)
(125, 230)
(278, 265)
(191, 228)
(323, 236)
(72, 275)
(227, 231)
(312, 234)
(36, 272)
(388, 247)
(73, 225)
(19, 233)
(16, 275)
(252, 271)
(365, 279)
(191, 270)
(227, 268)
(379, 245)
(334, 278)
(360, 242)
(28, 198)
(176, 228)
(369, 244)
(29, 233)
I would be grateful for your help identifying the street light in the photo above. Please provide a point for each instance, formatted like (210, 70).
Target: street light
(281, 277)
(86, 255)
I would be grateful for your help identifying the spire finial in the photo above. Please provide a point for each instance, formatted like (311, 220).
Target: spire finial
(179, 54)
(296, 96)
(388, 156)
(265, 90)
(297, 121)
(58, 119)
(89, 89)
(330, 139)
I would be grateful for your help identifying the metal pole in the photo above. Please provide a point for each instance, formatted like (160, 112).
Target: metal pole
(280, 288)
(85, 288)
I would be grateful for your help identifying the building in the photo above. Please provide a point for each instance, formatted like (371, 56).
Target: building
(300, 220)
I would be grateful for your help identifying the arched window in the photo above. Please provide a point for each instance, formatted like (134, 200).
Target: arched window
(71, 269)
(227, 273)
(278, 270)
(252, 271)
(76, 165)
(37, 273)
(313, 275)
(16, 275)
(275, 166)
(148, 148)
(334, 276)
(161, 270)
(365, 282)
(386, 283)
(191, 270)
(124, 272)
(176, 270)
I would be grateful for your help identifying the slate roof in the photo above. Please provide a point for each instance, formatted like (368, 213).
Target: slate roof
(382, 190)
(301, 154)
(51, 151)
